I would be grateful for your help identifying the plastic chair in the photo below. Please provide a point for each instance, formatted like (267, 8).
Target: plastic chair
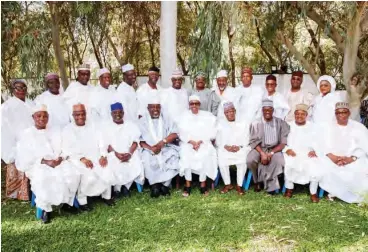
(246, 182)
(139, 187)
(321, 192)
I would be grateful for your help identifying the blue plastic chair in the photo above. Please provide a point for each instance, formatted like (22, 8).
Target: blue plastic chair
(246, 183)
(139, 187)
(321, 192)
(217, 180)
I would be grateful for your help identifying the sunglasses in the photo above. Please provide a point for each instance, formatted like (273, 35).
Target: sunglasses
(20, 88)
(194, 104)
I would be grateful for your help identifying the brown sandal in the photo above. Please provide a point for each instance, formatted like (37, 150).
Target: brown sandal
(226, 189)
(240, 190)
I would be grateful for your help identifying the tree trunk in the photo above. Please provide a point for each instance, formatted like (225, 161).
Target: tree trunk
(74, 42)
(182, 63)
(264, 49)
(230, 35)
(320, 58)
(56, 42)
(116, 53)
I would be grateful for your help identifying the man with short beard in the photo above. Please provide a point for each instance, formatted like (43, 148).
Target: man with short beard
(201, 90)
(268, 138)
(54, 180)
(301, 162)
(126, 93)
(343, 151)
(56, 106)
(82, 144)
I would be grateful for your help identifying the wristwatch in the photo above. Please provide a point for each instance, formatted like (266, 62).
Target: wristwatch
(164, 140)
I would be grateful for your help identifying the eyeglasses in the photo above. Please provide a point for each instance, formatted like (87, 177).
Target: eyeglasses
(20, 88)
(342, 113)
(194, 104)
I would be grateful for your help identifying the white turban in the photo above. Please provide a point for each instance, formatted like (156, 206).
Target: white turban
(127, 67)
(222, 73)
(194, 98)
(102, 71)
(39, 108)
(330, 80)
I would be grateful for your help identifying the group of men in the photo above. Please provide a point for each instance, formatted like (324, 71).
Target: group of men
(96, 141)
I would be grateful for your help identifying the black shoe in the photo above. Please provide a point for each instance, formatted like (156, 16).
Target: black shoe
(165, 190)
(85, 208)
(117, 195)
(155, 191)
(69, 209)
(45, 217)
(125, 192)
(273, 193)
(109, 202)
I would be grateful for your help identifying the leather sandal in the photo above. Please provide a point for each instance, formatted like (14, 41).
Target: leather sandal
(226, 189)
(186, 191)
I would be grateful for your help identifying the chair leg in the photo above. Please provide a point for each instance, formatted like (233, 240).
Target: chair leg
(76, 203)
(33, 200)
(283, 189)
(217, 180)
(38, 213)
(321, 192)
(246, 182)
(139, 187)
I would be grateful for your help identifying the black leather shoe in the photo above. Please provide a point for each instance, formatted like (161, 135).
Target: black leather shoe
(69, 209)
(125, 192)
(165, 191)
(85, 208)
(109, 202)
(155, 191)
(45, 217)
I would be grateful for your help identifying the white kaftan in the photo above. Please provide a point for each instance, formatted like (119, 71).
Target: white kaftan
(249, 103)
(100, 102)
(128, 97)
(78, 93)
(295, 98)
(280, 105)
(174, 102)
(144, 93)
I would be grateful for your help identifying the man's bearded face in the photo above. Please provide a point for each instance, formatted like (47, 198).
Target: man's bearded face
(154, 110)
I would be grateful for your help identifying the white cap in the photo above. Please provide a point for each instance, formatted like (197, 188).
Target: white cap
(84, 67)
(39, 108)
(222, 73)
(194, 98)
(177, 74)
(153, 99)
(102, 71)
(127, 67)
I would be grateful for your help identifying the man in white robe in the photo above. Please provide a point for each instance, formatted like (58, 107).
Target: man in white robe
(197, 130)
(101, 97)
(120, 139)
(160, 150)
(38, 153)
(53, 99)
(281, 107)
(16, 116)
(174, 100)
(147, 90)
(301, 162)
(201, 90)
(249, 98)
(126, 93)
(232, 147)
(81, 142)
(297, 95)
(343, 152)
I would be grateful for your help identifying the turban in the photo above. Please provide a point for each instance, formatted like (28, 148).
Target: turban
(51, 76)
(297, 73)
(247, 70)
(330, 80)
(84, 67)
(227, 105)
(267, 103)
(194, 98)
(200, 74)
(177, 74)
(116, 106)
(127, 67)
(39, 108)
(222, 73)
(154, 99)
(79, 107)
(153, 69)
(342, 105)
(271, 77)
(102, 71)
(302, 106)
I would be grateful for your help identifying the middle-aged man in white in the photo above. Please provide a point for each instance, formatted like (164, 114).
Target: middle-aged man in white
(101, 97)
(201, 90)
(53, 179)
(343, 151)
(174, 100)
(197, 130)
(301, 162)
(232, 147)
(249, 98)
(56, 106)
(81, 144)
(126, 93)
(280, 105)
(160, 152)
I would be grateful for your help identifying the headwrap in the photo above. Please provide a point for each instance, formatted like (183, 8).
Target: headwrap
(271, 77)
(200, 74)
(154, 99)
(127, 67)
(39, 108)
(13, 82)
(328, 78)
(102, 71)
(342, 105)
(302, 106)
(177, 74)
(227, 105)
(116, 106)
(79, 107)
(194, 98)
(247, 70)
(153, 69)
(84, 67)
(51, 76)
(297, 73)
(267, 103)
(222, 73)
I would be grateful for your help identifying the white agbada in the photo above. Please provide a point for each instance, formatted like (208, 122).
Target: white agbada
(128, 97)
(144, 94)
(198, 127)
(78, 93)
(349, 183)
(280, 105)
(16, 116)
(295, 98)
(121, 137)
(85, 141)
(174, 102)
(100, 102)
(322, 109)
(52, 186)
(56, 107)
(249, 103)
(229, 94)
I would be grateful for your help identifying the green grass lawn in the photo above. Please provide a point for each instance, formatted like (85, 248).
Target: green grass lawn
(253, 222)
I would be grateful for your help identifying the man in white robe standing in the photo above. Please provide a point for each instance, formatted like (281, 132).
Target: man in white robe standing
(174, 100)
(81, 142)
(120, 139)
(101, 97)
(53, 179)
(249, 98)
(197, 130)
(160, 150)
(232, 147)
(280, 105)
(301, 162)
(126, 93)
(201, 90)
(147, 90)
(53, 99)
(343, 152)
